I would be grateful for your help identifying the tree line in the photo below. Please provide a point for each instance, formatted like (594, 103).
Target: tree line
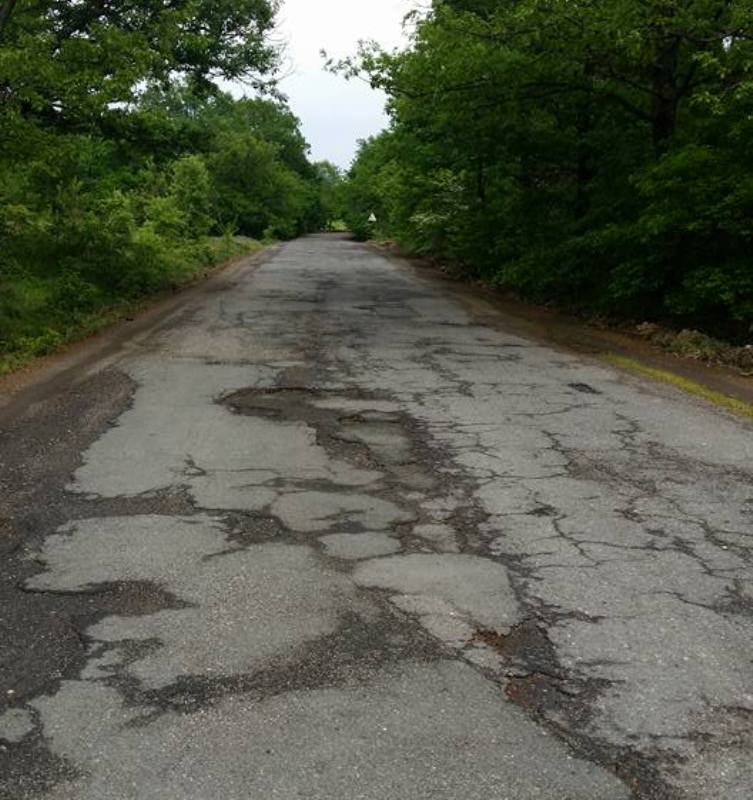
(124, 167)
(594, 153)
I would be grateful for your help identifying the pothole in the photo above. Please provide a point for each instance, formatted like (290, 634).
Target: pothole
(526, 645)
(583, 388)
(564, 702)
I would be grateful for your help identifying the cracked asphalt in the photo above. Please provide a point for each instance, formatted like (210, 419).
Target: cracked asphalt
(331, 530)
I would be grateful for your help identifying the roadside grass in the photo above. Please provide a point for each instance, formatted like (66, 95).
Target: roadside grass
(685, 384)
(699, 346)
(33, 322)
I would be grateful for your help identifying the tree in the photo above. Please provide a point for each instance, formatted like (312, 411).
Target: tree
(120, 154)
(574, 150)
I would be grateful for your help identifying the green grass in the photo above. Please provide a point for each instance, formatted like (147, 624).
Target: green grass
(226, 247)
(33, 323)
(685, 384)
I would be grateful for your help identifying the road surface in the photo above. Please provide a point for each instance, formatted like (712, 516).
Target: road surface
(332, 531)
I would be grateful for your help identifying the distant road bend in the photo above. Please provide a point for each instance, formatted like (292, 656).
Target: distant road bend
(332, 531)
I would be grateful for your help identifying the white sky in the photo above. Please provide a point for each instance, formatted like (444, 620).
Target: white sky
(335, 113)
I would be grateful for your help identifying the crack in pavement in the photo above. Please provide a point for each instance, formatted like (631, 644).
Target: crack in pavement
(368, 523)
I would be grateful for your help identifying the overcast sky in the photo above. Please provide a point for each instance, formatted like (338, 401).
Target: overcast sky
(335, 113)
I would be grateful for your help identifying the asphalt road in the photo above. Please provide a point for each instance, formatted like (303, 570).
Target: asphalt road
(330, 530)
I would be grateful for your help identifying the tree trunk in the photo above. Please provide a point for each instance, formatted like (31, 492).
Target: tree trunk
(6, 9)
(480, 180)
(666, 90)
(664, 111)
(584, 167)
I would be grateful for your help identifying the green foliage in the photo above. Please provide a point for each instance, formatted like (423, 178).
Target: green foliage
(124, 170)
(330, 205)
(191, 192)
(596, 154)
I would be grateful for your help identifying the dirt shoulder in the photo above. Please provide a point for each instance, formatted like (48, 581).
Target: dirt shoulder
(30, 383)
